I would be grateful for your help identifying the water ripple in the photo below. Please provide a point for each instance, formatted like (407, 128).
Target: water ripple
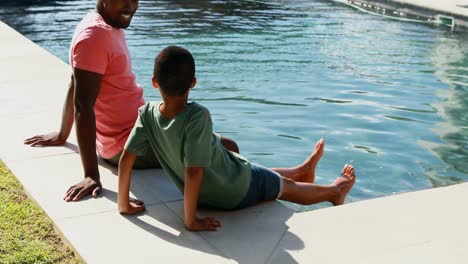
(248, 99)
(406, 119)
(334, 101)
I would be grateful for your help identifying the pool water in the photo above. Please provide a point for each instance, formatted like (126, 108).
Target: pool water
(389, 97)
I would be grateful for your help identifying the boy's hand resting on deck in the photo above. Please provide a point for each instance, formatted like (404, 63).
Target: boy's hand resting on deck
(132, 207)
(204, 224)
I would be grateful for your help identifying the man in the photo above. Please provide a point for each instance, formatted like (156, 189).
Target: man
(103, 97)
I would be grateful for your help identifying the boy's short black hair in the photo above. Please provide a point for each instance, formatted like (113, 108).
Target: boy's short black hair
(174, 70)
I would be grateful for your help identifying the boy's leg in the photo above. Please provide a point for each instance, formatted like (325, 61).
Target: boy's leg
(265, 185)
(114, 160)
(229, 144)
(147, 161)
(309, 193)
(306, 171)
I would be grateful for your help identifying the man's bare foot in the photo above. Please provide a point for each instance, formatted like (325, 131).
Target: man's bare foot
(343, 184)
(311, 162)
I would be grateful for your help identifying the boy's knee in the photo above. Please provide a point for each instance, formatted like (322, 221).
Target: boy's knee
(230, 144)
(289, 189)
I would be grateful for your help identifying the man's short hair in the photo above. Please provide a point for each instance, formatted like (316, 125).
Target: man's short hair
(174, 70)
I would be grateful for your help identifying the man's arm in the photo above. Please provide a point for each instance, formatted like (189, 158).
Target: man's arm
(127, 206)
(87, 85)
(58, 138)
(193, 179)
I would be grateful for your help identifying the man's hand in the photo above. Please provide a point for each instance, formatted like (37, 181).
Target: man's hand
(204, 224)
(133, 207)
(52, 139)
(83, 188)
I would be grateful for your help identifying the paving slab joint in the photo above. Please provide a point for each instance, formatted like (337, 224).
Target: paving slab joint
(59, 232)
(198, 233)
(270, 256)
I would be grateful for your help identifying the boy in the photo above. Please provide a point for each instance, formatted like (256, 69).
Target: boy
(180, 133)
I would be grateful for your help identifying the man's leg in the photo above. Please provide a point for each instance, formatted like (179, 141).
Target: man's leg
(306, 171)
(309, 193)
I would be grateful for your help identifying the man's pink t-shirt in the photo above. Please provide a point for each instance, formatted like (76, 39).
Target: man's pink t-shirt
(97, 47)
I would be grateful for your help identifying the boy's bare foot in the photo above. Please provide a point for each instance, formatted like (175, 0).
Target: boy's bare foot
(344, 183)
(311, 162)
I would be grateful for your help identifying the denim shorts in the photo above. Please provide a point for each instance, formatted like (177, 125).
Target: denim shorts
(265, 185)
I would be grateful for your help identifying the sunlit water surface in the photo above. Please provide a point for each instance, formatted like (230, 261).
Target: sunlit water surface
(389, 97)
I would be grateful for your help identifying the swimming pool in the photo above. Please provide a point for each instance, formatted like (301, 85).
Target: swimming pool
(389, 97)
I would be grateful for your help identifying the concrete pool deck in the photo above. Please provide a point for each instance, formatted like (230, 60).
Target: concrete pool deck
(419, 227)
(451, 13)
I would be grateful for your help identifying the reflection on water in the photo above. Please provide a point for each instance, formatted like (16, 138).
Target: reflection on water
(450, 57)
(26, 3)
(201, 16)
(389, 97)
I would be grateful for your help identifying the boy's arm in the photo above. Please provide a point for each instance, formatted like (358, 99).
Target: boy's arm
(127, 206)
(193, 179)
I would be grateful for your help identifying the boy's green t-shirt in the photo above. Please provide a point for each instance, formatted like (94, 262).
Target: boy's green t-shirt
(187, 140)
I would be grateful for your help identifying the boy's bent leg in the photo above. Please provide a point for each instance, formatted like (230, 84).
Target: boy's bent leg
(147, 161)
(114, 160)
(309, 193)
(265, 185)
(229, 144)
(306, 171)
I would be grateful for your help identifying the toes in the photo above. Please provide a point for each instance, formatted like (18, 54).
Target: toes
(319, 144)
(344, 169)
(348, 171)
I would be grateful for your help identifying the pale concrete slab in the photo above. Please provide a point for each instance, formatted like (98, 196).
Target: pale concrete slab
(11, 107)
(47, 179)
(32, 79)
(16, 128)
(450, 13)
(35, 71)
(247, 236)
(32, 84)
(16, 45)
(22, 60)
(157, 236)
(419, 227)
(449, 6)
(455, 7)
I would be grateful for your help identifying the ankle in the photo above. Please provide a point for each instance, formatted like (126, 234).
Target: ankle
(335, 193)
